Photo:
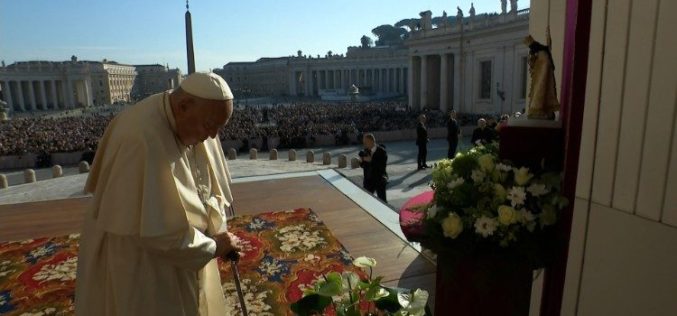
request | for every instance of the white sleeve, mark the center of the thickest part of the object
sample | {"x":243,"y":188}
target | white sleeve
{"x":192,"y":250}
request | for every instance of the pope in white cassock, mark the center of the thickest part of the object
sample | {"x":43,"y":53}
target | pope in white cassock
{"x":157,"y":220}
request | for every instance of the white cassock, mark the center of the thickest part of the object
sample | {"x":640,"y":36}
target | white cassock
{"x":144,"y":248}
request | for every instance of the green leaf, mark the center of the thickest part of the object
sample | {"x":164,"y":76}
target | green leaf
{"x":311,"y":304}
{"x":332,"y":286}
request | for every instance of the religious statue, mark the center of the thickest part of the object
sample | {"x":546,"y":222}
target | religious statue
{"x":504,"y":6}
{"x":513,"y":6}
{"x":459,"y":16}
{"x":445,"y":20}
{"x":472,"y":10}
{"x":543,"y":101}
{"x":426,"y":20}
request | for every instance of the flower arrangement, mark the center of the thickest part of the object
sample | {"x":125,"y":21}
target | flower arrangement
{"x":346,"y":294}
{"x":483,"y":204}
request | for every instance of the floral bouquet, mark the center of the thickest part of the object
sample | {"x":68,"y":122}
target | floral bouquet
{"x":483,"y":205}
{"x":346,"y":294}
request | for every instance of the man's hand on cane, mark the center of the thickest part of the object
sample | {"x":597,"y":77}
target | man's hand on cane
{"x":225,"y":244}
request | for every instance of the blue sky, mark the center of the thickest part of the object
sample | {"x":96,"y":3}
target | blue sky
{"x":152,"y":31}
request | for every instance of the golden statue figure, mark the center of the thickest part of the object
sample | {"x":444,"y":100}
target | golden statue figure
{"x":543,"y":101}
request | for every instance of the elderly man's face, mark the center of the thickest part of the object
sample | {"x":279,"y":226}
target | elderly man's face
{"x":482,"y":123}
{"x":367,"y":142}
{"x":198,"y":119}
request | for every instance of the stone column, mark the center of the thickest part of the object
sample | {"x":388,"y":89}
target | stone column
{"x":323,"y":79}
{"x":403,"y":81}
{"x":88,"y":92}
{"x":31,"y":95}
{"x":43,"y":95}
{"x":373,"y":79}
{"x":444,"y":89}
{"x":306,"y":81}
{"x":391,"y":80}
{"x":20,"y":90}
{"x":55,"y":99}
{"x":69,"y":94}
{"x":7,"y":91}
{"x":337,"y":79}
{"x":411,"y":82}
{"x":424,"y":82}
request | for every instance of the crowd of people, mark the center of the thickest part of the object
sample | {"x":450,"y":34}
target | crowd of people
{"x":293,"y":123}
{"x":51,"y":135}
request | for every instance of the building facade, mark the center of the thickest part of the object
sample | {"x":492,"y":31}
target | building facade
{"x":478,"y":66}
{"x":375,"y":70}
{"x":47,"y":85}
{"x":151,"y":79}
{"x":266,"y":76}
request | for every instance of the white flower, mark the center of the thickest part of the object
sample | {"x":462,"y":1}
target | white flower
{"x":477,"y":176}
{"x":452,"y":226}
{"x":537,"y":189}
{"x":254,"y":298}
{"x":507,"y":215}
{"x":296,"y":238}
{"x":522,"y":175}
{"x":517,"y":196}
{"x":364,"y":262}
{"x":311,"y":258}
{"x":486,"y":162}
{"x":413,"y":304}
{"x":455,"y":183}
{"x":62,"y":271}
{"x":527,"y":216}
{"x":432,"y":212}
{"x":503,"y":167}
{"x":486,"y":226}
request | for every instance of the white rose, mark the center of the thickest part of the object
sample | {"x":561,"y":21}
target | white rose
{"x":486,"y":162}
{"x":522,"y":175}
{"x":537,"y":189}
{"x":455,"y":183}
{"x":507,"y":215}
{"x":477,"y":176}
{"x":432,"y":212}
{"x":452,"y":226}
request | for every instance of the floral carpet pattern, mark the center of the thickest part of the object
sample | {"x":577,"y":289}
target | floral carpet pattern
{"x":283,"y":253}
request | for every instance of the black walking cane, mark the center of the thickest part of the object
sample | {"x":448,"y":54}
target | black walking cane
{"x":234,"y":257}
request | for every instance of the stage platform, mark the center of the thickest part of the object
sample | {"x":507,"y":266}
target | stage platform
{"x":364,"y":225}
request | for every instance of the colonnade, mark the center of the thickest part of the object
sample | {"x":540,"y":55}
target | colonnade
{"x":31,"y":95}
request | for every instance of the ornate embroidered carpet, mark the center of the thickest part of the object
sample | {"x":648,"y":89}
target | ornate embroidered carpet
{"x":284,"y":252}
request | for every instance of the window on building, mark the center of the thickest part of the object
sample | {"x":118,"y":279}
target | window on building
{"x":525,"y":74}
{"x":485,"y":80}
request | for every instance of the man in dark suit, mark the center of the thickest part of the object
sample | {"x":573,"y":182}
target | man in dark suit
{"x":482,"y":134}
{"x":453,"y":133}
{"x":422,"y":142}
{"x":373,"y":161}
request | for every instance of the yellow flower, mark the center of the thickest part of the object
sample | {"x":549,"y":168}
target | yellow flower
{"x":499,"y":190}
{"x":486,"y":162}
{"x":452,"y":226}
{"x":522,"y":176}
{"x":507,"y":215}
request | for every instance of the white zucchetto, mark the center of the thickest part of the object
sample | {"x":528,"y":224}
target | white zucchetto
{"x":207,"y":85}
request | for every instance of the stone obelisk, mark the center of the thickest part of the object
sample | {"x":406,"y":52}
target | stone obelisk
{"x":189,"y":42}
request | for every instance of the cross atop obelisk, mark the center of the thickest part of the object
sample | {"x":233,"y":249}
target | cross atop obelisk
{"x":189,"y":42}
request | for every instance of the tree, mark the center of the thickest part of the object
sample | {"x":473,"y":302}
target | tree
{"x":409,"y":23}
{"x":388,"y":35}
{"x":366,"y":41}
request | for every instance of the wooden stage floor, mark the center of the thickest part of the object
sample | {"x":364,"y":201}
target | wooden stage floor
{"x":363,"y":235}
